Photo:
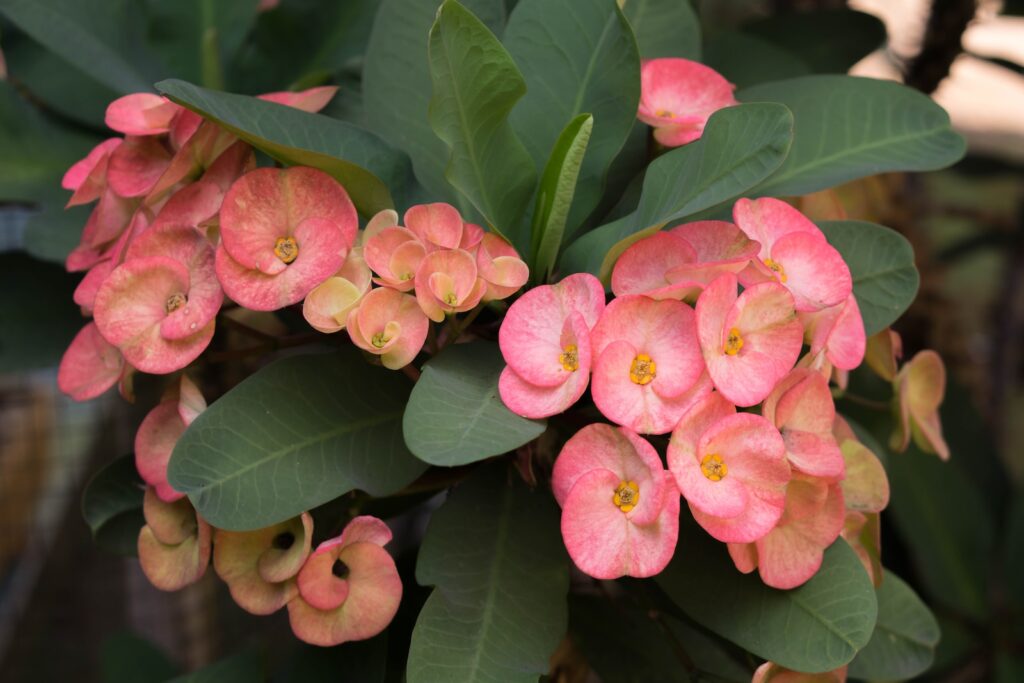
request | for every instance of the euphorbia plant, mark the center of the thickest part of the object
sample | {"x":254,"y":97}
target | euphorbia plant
{"x":510,"y":323}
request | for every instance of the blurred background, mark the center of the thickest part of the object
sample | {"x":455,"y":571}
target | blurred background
{"x":70,"y":610}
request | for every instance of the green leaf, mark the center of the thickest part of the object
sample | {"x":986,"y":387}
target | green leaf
{"x":577,"y":56}
{"x":244,"y":667}
{"x":881,"y":262}
{"x":356,"y":158}
{"x":112,"y":506}
{"x":1014,"y":553}
{"x":555,"y":196}
{"x":298,"y":433}
{"x":847,"y":128}
{"x":746,"y":60}
{"x":817,"y":627}
{"x":362,"y":661}
{"x":664,"y":28}
{"x":827,"y":40}
{"x":397,"y":85}
{"x":903,"y":644}
{"x":99,"y":33}
{"x":740,"y":147}
{"x":53,"y":232}
{"x":476,"y":84}
{"x":454,"y":415}
{"x":495,"y":555}
{"x":128,"y":658}
{"x":943,"y":519}
{"x":39,"y":316}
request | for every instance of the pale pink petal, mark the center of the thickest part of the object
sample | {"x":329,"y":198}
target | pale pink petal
{"x":815,"y":272}
{"x":644,"y":266}
{"x":90,"y":366}
{"x":154,"y":441}
{"x":87,"y":176}
{"x":438,"y":225}
{"x":677,"y":96}
{"x":136,"y":165}
{"x":141,"y":114}
{"x":534,"y":401}
{"x":311,"y":100}
{"x":765,"y":220}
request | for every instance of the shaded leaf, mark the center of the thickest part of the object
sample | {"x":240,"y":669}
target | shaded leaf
{"x":881,"y":261}
{"x":54,"y":231}
{"x":817,"y":627}
{"x":903,"y":644}
{"x":664,"y":28}
{"x":476,"y":84}
{"x":454,"y":415}
{"x":363,"y":661}
{"x":112,"y":506}
{"x":128,"y":658}
{"x":356,"y":158}
{"x":244,"y":667}
{"x":747,"y":60}
{"x":297,"y":433}
{"x":826,"y":40}
{"x":498,"y":611}
{"x":847,"y":128}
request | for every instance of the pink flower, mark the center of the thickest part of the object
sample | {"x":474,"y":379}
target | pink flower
{"x":394,"y":253}
{"x":920,"y":389}
{"x":770,"y":672}
{"x":837,"y":333}
{"x":326,"y":308}
{"x":436,"y":226}
{"x":389,"y":324}
{"x":749,"y":342}
{"x":141,"y":114}
{"x":160,"y":431}
{"x":136,"y":165}
{"x":792,"y":552}
{"x":678,"y":96}
{"x":260,"y":567}
{"x":90,"y":366}
{"x":499,"y":266}
{"x":679,"y":263}
{"x":646,"y":363}
{"x":545,"y":339}
{"x":174,"y":545}
{"x":349,"y":588}
{"x":283,"y":232}
{"x":87,"y":178}
{"x":883,"y":352}
{"x":794,"y":252}
{"x":731,"y":468}
{"x":447,"y":283}
{"x":311,"y":100}
{"x":620,"y":511}
{"x":801,"y":408}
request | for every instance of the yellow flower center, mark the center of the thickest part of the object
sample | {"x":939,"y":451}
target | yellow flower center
{"x":666,"y":113}
{"x":174,"y":302}
{"x":451,"y":299}
{"x":627,"y":495}
{"x":380,"y":339}
{"x":286,"y":249}
{"x":776,"y":268}
{"x":714,"y":467}
{"x":734,"y":342}
{"x":643,"y":370}
{"x":570,"y":358}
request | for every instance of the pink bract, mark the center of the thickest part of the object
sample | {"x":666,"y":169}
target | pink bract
{"x":749,"y":342}
{"x":793,"y":252}
{"x":394,"y":254}
{"x":770,"y":672}
{"x":801,"y":408}
{"x":349,"y":588}
{"x":158,"y":434}
{"x":678,"y":96}
{"x":545,"y":339}
{"x":389,"y":324}
{"x":327,"y":307}
{"x":283,"y":232}
{"x":447,"y":283}
{"x":141,"y":114}
{"x":646,"y":362}
{"x":88,"y":177}
{"x":921,"y":387}
{"x":437,"y":226}
{"x":731,"y":468}
{"x":136,"y":165}
{"x":90,"y":366}
{"x":499,"y":266}
{"x":311,"y":100}
{"x":174,"y":545}
{"x":838,"y":333}
{"x":620,"y":510}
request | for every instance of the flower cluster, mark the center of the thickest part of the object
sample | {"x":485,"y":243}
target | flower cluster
{"x":433,"y":266}
{"x":677,"y":96}
{"x":755,"y":449}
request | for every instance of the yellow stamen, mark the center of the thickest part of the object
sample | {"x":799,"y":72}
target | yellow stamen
{"x":643,"y":370}
{"x":734,"y":342}
{"x":286,"y":249}
{"x":379,"y":340}
{"x":174,"y":302}
{"x":664,"y":113}
{"x":776,"y":268}
{"x":626,"y":496}
{"x":570,"y":358}
{"x":714,"y":467}
{"x":451,"y":299}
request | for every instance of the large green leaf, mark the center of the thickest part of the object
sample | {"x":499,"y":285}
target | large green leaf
{"x":817,"y":627}
{"x":296,"y":434}
{"x":555,"y":195}
{"x":102,"y":34}
{"x":112,"y":506}
{"x":358,"y":159}
{"x":397,"y":84}
{"x":127,"y":658}
{"x":244,"y":667}
{"x":455,"y":416}
{"x":943,"y":518}
{"x":881,"y":262}
{"x":498,"y":611}
{"x":362,"y":661}
{"x":664,"y":28}
{"x":39,"y":316}
{"x":54,"y":231}
{"x":747,"y":60}
{"x":827,"y":40}
{"x":903,"y":644}
{"x":476,"y":84}
{"x":847,"y":128}
{"x":577,"y":56}
{"x":740,"y":147}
